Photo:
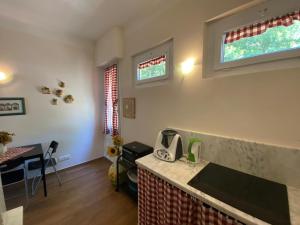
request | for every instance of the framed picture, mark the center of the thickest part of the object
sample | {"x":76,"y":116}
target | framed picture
{"x":129,"y":108}
{"x":12,"y":106}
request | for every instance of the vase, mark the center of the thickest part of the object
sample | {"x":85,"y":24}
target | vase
{"x":112,"y":173}
{"x":3,"y":148}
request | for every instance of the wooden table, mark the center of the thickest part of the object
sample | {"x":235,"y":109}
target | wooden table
{"x":36,"y":153}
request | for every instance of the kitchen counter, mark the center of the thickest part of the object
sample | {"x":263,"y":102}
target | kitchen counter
{"x":180,"y":173}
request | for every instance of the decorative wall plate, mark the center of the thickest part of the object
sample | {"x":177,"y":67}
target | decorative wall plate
{"x":54,"y":101}
{"x":45,"y":90}
{"x":68,"y":99}
{"x":61,"y":84}
{"x":59,"y":92}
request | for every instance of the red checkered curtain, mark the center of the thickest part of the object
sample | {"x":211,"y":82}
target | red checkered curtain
{"x":111,"y":95}
{"x":160,"y":203}
{"x":211,"y":216}
{"x":152,"y":62}
{"x":259,"y":28}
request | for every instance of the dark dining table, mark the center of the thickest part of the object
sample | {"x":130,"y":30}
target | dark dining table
{"x":35,"y":153}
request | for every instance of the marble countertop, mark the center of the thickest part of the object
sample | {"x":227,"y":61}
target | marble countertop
{"x":180,"y":173}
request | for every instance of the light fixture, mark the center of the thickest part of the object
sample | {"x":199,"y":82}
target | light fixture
{"x":5,"y":78}
{"x":187,"y":66}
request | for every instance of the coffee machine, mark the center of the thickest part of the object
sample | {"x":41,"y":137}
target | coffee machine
{"x":168,"y":146}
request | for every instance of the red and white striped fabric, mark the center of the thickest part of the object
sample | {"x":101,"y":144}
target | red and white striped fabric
{"x":259,"y":28}
{"x":152,"y":62}
{"x":161,"y":203}
{"x":111,"y":94}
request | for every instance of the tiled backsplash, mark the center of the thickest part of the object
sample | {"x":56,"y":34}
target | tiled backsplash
{"x":280,"y":164}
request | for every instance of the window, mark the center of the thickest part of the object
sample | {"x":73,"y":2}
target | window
{"x":260,"y":37}
{"x":154,"y":64}
{"x":111,"y":101}
{"x":276,"y":35}
{"x":155,"y":67}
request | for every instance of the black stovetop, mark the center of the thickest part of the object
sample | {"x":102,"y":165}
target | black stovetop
{"x":263,"y":199}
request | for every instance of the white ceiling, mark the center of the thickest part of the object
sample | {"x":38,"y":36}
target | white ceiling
{"x":83,"y":18}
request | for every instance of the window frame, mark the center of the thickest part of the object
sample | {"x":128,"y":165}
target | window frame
{"x":213,"y":34}
{"x":219,"y":53}
{"x":165,"y":48}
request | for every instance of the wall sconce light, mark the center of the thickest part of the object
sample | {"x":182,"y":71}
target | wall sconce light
{"x":5,"y":78}
{"x":187,"y":66}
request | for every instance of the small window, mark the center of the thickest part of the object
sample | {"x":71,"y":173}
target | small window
{"x":273,"y":39}
{"x":261,"y":37}
{"x":276,"y":39}
{"x":155,"y":67}
{"x":154,"y":64}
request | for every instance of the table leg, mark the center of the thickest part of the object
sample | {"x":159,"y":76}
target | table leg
{"x":43,"y":175}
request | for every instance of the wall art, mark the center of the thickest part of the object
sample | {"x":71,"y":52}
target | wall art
{"x":12,"y":106}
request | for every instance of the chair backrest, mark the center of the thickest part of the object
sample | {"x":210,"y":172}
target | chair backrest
{"x":11,"y":164}
{"x":53,"y":146}
{"x":52,"y":149}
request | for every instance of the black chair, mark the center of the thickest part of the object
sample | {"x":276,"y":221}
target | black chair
{"x":49,"y":161}
{"x":13,"y":172}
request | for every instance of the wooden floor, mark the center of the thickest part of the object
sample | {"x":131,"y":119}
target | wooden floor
{"x":85,"y":198}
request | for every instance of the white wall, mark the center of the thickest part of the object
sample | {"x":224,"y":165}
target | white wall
{"x":109,"y":47}
{"x":43,"y":59}
{"x":262,"y":107}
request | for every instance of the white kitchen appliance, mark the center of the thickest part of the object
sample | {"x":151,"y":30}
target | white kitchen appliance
{"x":168,"y":146}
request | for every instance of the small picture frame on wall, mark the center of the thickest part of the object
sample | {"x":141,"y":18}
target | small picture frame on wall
{"x":12,"y":106}
{"x":129,"y":108}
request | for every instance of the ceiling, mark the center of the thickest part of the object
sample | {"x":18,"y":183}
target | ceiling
{"x":83,"y":18}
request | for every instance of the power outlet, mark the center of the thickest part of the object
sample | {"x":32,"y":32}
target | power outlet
{"x":64,"y":157}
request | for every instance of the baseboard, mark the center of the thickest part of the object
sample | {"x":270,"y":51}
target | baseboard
{"x":108,"y":158}
{"x":78,"y":164}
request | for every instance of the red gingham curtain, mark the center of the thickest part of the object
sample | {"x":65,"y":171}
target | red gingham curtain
{"x":161,"y":203}
{"x":259,"y":28}
{"x":111,"y":95}
{"x":152,"y":62}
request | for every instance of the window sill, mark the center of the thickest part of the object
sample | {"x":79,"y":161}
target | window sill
{"x":284,"y":64}
{"x":160,"y":82}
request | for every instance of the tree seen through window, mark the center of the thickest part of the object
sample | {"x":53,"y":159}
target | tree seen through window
{"x":276,"y":39}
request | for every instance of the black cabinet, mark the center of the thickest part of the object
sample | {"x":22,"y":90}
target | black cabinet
{"x":131,"y":152}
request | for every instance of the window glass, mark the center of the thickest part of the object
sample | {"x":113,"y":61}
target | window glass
{"x":155,"y":67}
{"x":276,"y":39}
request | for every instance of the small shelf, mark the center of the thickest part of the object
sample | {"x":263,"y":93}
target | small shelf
{"x":127,"y":165}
